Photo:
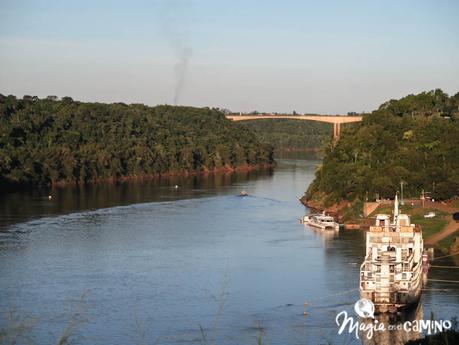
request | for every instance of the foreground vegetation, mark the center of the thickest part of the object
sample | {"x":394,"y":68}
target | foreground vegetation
{"x":47,"y":141}
{"x":414,"y":140}
{"x":444,"y":338}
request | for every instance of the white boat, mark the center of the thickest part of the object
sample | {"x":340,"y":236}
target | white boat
{"x":392,"y":273}
{"x":321,"y":221}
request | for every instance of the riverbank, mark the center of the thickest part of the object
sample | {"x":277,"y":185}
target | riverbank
{"x":440,"y":231}
{"x":183,"y":173}
{"x":344,"y":211}
{"x":145,"y":177}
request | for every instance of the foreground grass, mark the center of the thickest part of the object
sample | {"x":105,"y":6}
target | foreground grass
{"x":18,"y":329}
{"x":444,"y":338}
{"x":430,"y":226}
{"x":449,"y":241}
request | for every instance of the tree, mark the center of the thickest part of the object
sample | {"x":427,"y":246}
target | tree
{"x":45,"y":142}
{"x":406,"y":139}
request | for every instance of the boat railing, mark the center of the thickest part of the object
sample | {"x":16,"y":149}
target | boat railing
{"x":393,"y":239}
{"x":415,"y":272}
{"x":406,"y":228}
{"x":365,"y":266}
{"x":391,"y":259}
{"x":395,"y":228}
{"x":407,"y":263}
{"x":376,"y":229}
{"x":407,"y":272}
{"x":413,"y":281}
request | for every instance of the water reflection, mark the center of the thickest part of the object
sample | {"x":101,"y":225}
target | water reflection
{"x":399,"y":328}
{"x":326,"y":236}
{"x":27,"y":204}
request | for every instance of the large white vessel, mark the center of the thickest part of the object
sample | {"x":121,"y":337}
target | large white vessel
{"x":320,"y":221}
{"x":392,"y":274}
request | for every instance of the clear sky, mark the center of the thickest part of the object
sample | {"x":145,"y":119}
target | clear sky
{"x":308,"y":56}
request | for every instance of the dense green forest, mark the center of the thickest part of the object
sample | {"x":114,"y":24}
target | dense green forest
{"x":414,"y":140}
{"x":48,"y":141}
{"x":285,"y":134}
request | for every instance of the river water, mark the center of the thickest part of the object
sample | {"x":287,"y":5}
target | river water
{"x":148,"y":263}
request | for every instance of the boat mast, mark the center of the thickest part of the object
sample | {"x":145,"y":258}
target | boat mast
{"x":396,"y":211}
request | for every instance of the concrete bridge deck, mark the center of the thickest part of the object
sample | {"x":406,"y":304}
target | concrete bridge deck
{"x":336,"y":120}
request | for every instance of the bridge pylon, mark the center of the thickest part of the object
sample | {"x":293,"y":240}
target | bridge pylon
{"x":336,"y":130}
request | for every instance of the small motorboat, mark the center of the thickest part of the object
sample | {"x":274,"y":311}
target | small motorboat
{"x":243,"y":193}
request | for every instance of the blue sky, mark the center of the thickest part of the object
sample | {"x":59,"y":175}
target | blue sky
{"x":308,"y":56}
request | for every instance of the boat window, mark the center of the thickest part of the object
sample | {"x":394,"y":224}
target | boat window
{"x":404,"y":253}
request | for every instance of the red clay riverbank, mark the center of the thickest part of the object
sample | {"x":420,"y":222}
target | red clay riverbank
{"x":335,"y":209}
{"x":184,"y":173}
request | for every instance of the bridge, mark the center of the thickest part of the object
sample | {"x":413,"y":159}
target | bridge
{"x":336,"y":120}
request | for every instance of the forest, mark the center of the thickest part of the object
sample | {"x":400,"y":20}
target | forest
{"x":413,"y":140}
{"x":49,"y":141}
{"x":290,"y":135}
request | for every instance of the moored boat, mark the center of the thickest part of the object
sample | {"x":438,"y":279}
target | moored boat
{"x":320,"y":221}
{"x":391,"y":276}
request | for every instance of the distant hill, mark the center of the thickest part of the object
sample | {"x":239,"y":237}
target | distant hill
{"x":48,"y":141}
{"x":414,"y":140}
{"x":286,"y":135}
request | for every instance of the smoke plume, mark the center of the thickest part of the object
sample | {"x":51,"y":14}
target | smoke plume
{"x":181,"y":68}
{"x":175,"y":26}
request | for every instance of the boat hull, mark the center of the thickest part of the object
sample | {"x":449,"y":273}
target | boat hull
{"x":411,"y":301}
{"x":397,"y":300}
{"x":323,"y":227}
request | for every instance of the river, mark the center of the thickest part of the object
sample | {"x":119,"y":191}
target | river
{"x":148,"y":263}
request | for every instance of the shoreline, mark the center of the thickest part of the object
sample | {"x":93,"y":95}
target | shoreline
{"x":334,"y":209}
{"x":434,"y":240}
{"x":9,"y":187}
{"x":167,"y":174}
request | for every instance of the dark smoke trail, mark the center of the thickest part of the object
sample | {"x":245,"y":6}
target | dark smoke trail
{"x":174,"y":23}
{"x":180,"y":72}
